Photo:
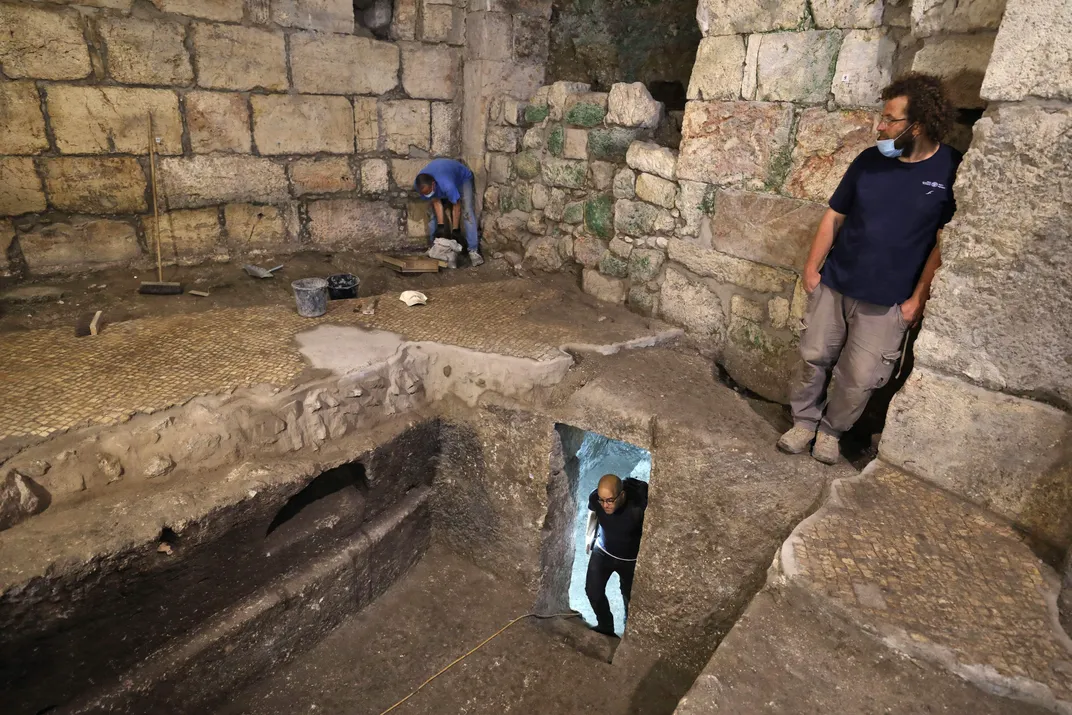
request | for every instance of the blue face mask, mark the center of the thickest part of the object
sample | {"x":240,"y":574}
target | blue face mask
{"x":888,"y":146}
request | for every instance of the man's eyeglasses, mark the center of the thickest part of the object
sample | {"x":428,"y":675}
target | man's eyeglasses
{"x":608,"y":502}
{"x":883,"y":119}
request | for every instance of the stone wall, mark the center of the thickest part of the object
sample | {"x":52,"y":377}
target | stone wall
{"x":986,"y":412}
{"x":279,"y":126}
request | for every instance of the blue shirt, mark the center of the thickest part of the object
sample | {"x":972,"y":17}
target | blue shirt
{"x":450,"y":176}
{"x":893,"y":210}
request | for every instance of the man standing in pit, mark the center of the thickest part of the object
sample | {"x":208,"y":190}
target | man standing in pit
{"x":451,"y":180}
{"x":615,"y":521}
{"x":881,"y":232}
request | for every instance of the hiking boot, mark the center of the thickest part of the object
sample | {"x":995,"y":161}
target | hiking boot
{"x":796,"y":440}
{"x":826,"y":448}
{"x":476,"y":259}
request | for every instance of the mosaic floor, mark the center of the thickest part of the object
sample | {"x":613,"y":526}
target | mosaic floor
{"x":908,"y":555}
{"x":51,"y":380}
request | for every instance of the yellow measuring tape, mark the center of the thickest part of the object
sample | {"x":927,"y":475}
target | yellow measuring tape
{"x":571,"y":614}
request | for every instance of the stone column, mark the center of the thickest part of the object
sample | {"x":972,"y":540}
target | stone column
{"x":986,"y":412}
{"x":506,"y":54}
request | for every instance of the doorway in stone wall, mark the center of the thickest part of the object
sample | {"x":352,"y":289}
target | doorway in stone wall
{"x":586,"y":457}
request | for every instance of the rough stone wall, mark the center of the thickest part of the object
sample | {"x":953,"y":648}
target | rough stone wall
{"x":278,"y":126}
{"x":986,"y":412}
{"x":606,"y":41}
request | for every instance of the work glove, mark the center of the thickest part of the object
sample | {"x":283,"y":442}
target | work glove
{"x":441,"y":232}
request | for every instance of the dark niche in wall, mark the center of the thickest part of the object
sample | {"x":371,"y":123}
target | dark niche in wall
{"x":606,"y":41}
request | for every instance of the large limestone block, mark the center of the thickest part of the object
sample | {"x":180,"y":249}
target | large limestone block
{"x":251,"y":227}
{"x":82,"y":243}
{"x":847,"y":13}
{"x":186,"y":237}
{"x":188,"y":182}
{"x":961,"y":62}
{"x":366,"y":124}
{"x":375,"y":176}
{"x":727,"y":269}
{"x":864,"y":68}
{"x":22,"y":125}
{"x":693,"y":305}
{"x":42,"y":44}
{"x":431,"y":71}
{"x":652,"y":159}
{"x":631,"y":105}
{"x":719,"y":68}
{"x":605,"y":288}
{"x":765,"y":228}
{"x":1032,"y":53}
{"x":218,"y":121}
{"x":406,"y":123}
{"x":561,"y":96}
{"x":103,"y":120}
{"x":656,"y":190}
{"x":404,"y":172}
{"x":146,"y":51}
{"x":326,"y":15}
{"x":356,"y":225}
{"x":797,"y":66}
{"x":96,"y":185}
{"x":297,"y":124}
{"x":761,"y":360}
{"x":1005,"y":453}
{"x":325,"y":175}
{"x":223,"y":10}
{"x":732,"y":142}
{"x":1001,"y":308}
{"x":938,"y":17}
{"x":634,"y":218}
{"x":234,"y":57}
{"x":489,"y":36}
{"x":565,"y":173}
{"x":343,"y":64}
{"x":735,"y":17}
{"x":20,"y":187}
{"x":827,"y":142}
{"x":444,"y":129}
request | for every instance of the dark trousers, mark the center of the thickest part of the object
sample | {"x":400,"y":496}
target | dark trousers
{"x":600,"y":567}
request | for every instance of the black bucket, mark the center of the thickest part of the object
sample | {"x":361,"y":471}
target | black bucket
{"x":342,"y":286}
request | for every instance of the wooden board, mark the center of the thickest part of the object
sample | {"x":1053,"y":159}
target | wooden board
{"x":411,"y":264}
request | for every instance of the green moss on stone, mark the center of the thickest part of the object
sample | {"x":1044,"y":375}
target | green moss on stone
{"x":527,"y":165}
{"x":565,"y":173}
{"x":707,"y":204}
{"x":536,"y":113}
{"x":599,"y":216}
{"x":557,"y":140}
{"x":585,"y":114}
{"x":610,"y":144}
{"x":506,"y":200}
{"x":523,"y":198}
{"x":573,"y":213}
{"x":612,"y":265}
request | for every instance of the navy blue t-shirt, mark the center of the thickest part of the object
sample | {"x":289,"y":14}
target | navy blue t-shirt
{"x":893,"y":210}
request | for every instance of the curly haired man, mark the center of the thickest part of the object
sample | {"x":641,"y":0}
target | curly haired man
{"x":879,"y":240}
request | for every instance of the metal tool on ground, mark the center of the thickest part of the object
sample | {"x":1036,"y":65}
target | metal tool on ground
{"x":258,"y":272}
{"x":159,"y":286}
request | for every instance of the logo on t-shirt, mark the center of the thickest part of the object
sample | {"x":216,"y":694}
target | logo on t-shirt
{"x":934,"y":184}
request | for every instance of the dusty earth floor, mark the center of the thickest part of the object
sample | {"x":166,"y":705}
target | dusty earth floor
{"x":440,"y":610}
{"x":115,"y":291}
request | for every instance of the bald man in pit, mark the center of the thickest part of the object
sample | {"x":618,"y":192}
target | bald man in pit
{"x":615,"y":521}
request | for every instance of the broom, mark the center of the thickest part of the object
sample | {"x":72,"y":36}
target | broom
{"x":159,"y":286}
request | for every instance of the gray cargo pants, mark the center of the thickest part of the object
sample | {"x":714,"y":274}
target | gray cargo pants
{"x":861,"y":341}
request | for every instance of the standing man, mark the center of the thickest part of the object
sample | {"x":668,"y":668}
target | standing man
{"x":451,"y":180}
{"x":615,"y":521}
{"x":879,"y":239}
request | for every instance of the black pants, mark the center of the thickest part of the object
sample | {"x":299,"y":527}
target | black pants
{"x":600,"y":567}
